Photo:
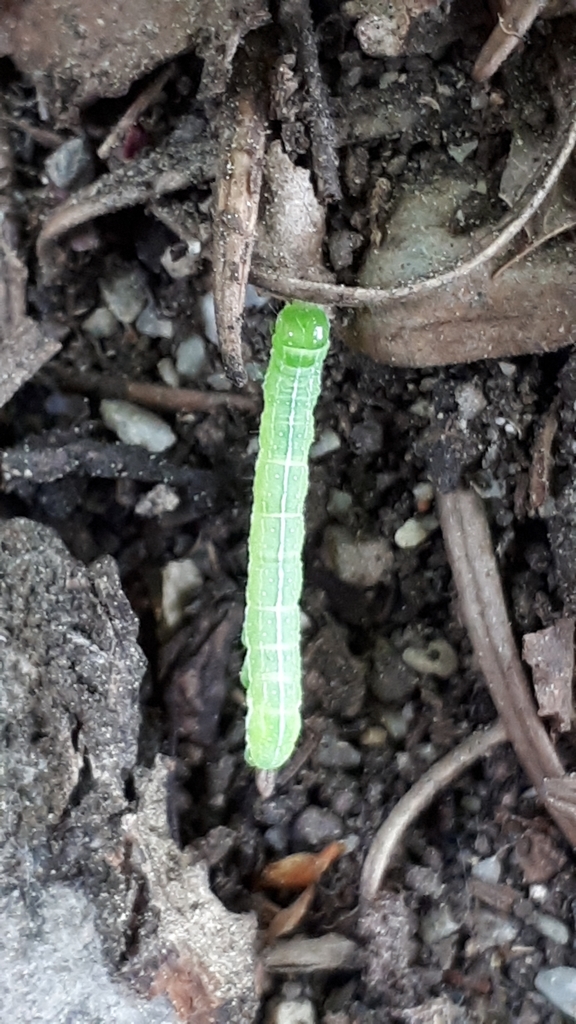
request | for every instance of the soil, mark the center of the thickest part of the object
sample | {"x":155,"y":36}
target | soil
{"x":458,"y":934}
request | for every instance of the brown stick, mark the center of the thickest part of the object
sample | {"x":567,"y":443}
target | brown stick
{"x":483,"y":608}
{"x":154,"y":396}
{"x":297,"y":21}
{"x":505,"y":37}
{"x":235,"y":218}
{"x":391,"y":833}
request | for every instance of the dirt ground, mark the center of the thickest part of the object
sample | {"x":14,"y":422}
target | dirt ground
{"x":467,"y":388}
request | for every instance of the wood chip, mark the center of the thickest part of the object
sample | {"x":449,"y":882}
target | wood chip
{"x":550,"y":654}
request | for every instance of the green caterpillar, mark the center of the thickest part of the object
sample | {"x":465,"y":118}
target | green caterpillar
{"x":272,"y":668}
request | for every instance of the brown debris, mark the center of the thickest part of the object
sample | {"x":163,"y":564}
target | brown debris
{"x":420,"y":330}
{"x":79,"y":50}
{"x":299,"y":870}
{"x":539,"y":857}
{"x":181,"y":159}
{"x":542,"y":462}
{"x":513,"y":23}
{"x":550,"y":654}
{"x":23,"y":346}
{"x":137,"y":108}
{"x":235,"y":218}
{"x":197,"y":686}
{"x":53,"y":456}
{"x":483,"y":609}
{"x":154,"y":396}
{"x":290,"y":918}
{"x":296,"y":18}
{"x":292,"y":224}
{"x":494,"y":894}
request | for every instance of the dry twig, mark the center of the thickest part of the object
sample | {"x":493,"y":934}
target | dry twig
{"x":297,"y":21}
{"x":506,"y":35}
{"x":235,"y":218}
{"x":390,"y":834}
{"x":130,"y":116}
{"x":483,"y":608}
{"x":154,"y":396}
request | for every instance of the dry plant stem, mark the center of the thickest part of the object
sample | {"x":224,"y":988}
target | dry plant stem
{"x":389,"y":836}
{"x":154,"y":396}
{"x":297,"y":21}
{"x":235,"y":218}
{"x":344,"y":295}
{"x":134,"y":111}
{"x":483,"y":609}
{"x":504,"y":39}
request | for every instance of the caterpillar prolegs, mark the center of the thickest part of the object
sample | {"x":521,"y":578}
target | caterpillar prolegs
{"x":272,"y":667}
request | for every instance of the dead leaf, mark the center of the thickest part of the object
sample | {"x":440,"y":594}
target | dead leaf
{"x":289,"y":918}
{"x":525,"y":308}
{"x":550,"y":654}
{"x":300,"y":870}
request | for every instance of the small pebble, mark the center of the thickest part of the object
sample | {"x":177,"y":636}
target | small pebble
{"x":470,"y":400}
{"x":153,"y":325}
{"x":437,"y":659}
{"x":423,"y":495}
{"x":362,"y":563}
{"x":538,"y":892}
{"x":157,"y":501}
{"x":463,"y":151}
{"x":191,"y":356}
{"x":181,"y":579}
{"x":180,"y":263}
{"x":551,"y":928}
{"x":487,"y":870}
{"x":297,"y":1011}
{"x":339,"y":503}
{"x":508,"y":369}
{"x":135,"y":425}
{"x":219,"y":382}
{"x":327,"y":443}
{"x":396,"y":724}
{"x":414,"y":532}
{"x":254,"y":299}
{"x":374,"y":736}
{"x":391,"y":680}
{"x":489,"y":930}
{"x":167,"y":372}
{"x":71,"y":165}
{"x":101,"y":323}
{"x":558,"y":985}
{"x":124,"y":294}
{"x":254,"y":371}
{"x":315,"y":827}
{"x":438,"y":924}
{"x":335,"y":753}
{"x":209,"y":317}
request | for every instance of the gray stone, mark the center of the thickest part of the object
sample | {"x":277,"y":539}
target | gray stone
{"x":558,"y":985}
{"x":316,"y":826}
{"x":124,"y":293}
{"x":71,"y":165}
{"x":135,"y":425}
